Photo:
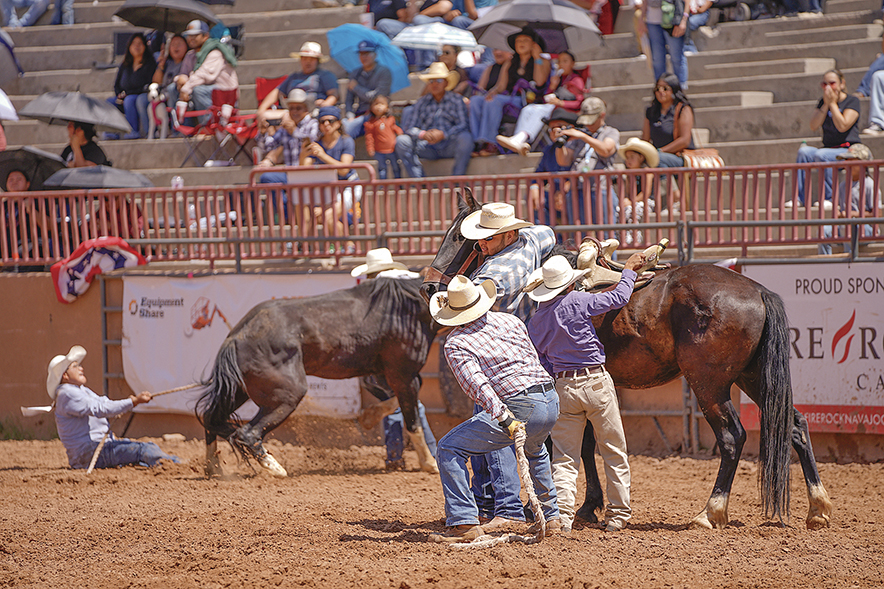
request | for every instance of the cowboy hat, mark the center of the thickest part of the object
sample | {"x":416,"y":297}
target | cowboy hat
{"x":652,"y":156}
{"x":439,"y":71}
{"x":553,"y":277}
{"x":463,"y":301}
{"x":309,"y":49}
{"x":296,"y":96}
{"x":377,"y":260}
{"x":494,"y":218}
{"x":59,"y":365}
{"x":528,"y":32}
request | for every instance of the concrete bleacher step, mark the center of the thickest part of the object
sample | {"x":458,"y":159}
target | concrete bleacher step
{"x":730,"y":99}
{"x":810,"y":65}
{"x":36,"y":59}
{"x":774,"y":121}
{"x":838,"y":6}
{"x":832,"y":34}
{"x":847,"y":54}
{"x":626,"y":71}
{"x":779,"y":151}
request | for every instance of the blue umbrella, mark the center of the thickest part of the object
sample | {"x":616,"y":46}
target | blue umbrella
{"x":342,"y":43}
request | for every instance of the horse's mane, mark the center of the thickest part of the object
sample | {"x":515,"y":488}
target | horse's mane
{"x":399,"y":291}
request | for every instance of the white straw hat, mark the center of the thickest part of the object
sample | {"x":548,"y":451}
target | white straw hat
{"x":309,"y":49}
{"x":377,"y":260}
{"x":59,"y":365}
{"x":553,"y":277}
{"x":463,"y":301}
{"x":439,"y":71}
{"x":494,"y":218}
{"x":650,"y":153}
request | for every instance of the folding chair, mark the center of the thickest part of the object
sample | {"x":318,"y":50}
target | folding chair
{"x":194,"y":135}
{"x":246,"y":127}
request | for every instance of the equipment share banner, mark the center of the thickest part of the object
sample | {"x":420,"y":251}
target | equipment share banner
{"x":836,"y":328}
{"x":174,"y":327}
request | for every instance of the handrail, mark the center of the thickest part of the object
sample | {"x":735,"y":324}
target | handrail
{"x":258,"y":171}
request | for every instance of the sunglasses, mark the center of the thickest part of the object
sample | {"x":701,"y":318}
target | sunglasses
{"x":824,"y":84}
{"x":490,"y":238}
{"x":327,"y":121}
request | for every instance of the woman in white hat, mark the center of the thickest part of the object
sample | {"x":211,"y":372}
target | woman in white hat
{"x":320,"y":85}
{"x":81,"y":418}
{"x":562,"y":332}
{"x":495,"y":363}
{"x":379,"y":263}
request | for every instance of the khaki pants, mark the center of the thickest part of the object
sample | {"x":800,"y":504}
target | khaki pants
{"x":592,"y":398}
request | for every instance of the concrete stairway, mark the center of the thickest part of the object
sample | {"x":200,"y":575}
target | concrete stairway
{"x":752,"y":83}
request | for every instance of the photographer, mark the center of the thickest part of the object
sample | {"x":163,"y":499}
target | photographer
{"x":597,"y":147}
{"x":554,"y":205}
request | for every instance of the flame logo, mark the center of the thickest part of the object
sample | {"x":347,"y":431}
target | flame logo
{"x":839,"y":335}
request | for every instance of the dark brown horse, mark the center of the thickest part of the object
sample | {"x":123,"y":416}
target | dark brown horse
{"x":380,"y":327}
{"x":716,"y":328}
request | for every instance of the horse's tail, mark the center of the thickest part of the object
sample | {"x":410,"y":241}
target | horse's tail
{"x":777,"y":412}
{"x":218,"y":403}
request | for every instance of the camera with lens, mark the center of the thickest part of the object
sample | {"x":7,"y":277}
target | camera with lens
{"x":562,"y":140}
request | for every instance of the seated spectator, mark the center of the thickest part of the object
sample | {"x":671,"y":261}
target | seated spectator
{"x":597,"y":151}
{"x":862,"y":193}
{"x":876,"y":104}
{"x":526,"y":65}
{"x":297,"y":128}
{"x":452,"y":12}
{"x":320,"y":85}
{"x":381,"y":131}
{"x":64,"y":13}
{"x":366,"y":82}
{"x":332,"y":147}
{"x":698,"y":16}
{"x":669,"y":121}
{"x":82,"y":151}
{"x":214,"y":68}
{"x":638,"y":154}
{"x":865,"y":86}
{"x":491,"y":72}
{"x":439,"y":126}
{"x":170,"y":63}
{"x":174,"y":82}
{"x":448,"y":56}
{"x":554,"y":206}
{"x":130,"y":86}
{"x":837,"y":114}
{"x":36,"y":8}
{"x":566,"y":91}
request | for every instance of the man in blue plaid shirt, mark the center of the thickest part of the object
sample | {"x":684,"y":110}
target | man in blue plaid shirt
{"x":437,"y":126}
{"x":496,"y":364}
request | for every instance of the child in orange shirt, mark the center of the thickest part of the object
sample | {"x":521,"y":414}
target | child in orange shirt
{"x":380,"y":136}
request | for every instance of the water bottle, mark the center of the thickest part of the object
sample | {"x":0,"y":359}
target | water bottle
{"x":177,"y":183}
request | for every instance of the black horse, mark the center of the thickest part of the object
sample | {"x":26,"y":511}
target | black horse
{"x":716,"y":328}
{"x":380,"y":327}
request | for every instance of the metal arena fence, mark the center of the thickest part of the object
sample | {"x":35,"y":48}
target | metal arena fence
{"x":315,"y":215}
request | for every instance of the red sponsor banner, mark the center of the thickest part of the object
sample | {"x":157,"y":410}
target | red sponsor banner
{"x":835,"y":419}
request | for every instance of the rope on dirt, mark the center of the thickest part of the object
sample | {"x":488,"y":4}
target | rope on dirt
{"x":486,"y":541}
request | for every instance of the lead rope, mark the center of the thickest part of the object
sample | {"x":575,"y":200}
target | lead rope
{"x":486,"y":541}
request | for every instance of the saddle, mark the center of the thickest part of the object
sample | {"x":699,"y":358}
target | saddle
{"x":604,"y":272}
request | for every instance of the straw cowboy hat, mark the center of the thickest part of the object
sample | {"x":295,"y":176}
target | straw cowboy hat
{"x":463,"y":301}
{"x":377,"y":260}
{"x":296,"y":96}
{"x":494,"y":218}
{"x":652,"y":156}
{"x":59,"y":365}
{"x":310,"y":49}
{"x":439,"y":71}
{"x":553,"y":277}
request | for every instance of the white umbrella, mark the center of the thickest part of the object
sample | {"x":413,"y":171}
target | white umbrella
{"x":7,"y":111}
{"x":433,"y":36}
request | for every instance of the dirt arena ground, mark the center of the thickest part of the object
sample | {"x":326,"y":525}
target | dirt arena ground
{"x":340,"y":521}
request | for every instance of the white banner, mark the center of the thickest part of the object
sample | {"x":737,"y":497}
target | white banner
{"x":174,"y":327}
{"x":836,"y":318}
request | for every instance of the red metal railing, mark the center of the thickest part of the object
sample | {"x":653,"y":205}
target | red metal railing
{"x":739,"y":207}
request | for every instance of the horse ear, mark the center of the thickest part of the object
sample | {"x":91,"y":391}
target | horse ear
{"x":465,"y":200}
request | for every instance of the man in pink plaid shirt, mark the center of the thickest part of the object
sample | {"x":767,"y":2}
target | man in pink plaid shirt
{"x":496,"y":364}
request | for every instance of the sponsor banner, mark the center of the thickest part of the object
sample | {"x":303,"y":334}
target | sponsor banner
{"x":836,"y":320}
{"x":173,"y":328}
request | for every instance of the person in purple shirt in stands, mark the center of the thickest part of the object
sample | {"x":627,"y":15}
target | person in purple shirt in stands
{"x":562,"y":332}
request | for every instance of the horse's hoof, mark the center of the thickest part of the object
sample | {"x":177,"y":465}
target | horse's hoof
{"x":818,"y":522}
{"x":588,"y":513}
{"x":701,"y":522}
{"x":272,"y":466}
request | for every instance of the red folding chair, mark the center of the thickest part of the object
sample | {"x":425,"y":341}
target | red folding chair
{"x":213,"y":130}
{"x":245,"y":127}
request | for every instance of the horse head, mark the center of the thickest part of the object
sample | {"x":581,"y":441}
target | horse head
{"x":457,"y":254}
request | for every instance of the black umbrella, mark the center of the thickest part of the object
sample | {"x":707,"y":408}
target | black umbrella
{"x":222,"y":2}
{"x":97,"y":177}
{"x":57,"y":108}
{"x":10,"y":68}
{"x":36,"y":164}
{"x":562,"y":24}
{"x":165,"y":15}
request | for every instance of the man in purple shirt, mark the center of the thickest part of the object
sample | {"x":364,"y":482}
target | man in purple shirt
{"x":566,"y":342}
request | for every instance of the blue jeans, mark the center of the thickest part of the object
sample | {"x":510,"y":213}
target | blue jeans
{"x":355,"y":127}
{"x":661,"y":43}
{"x":64,"y":12}
{"x":410,"y":150}
{"x":485,"y":116}
{"x":695,"y":21}
{"x":123,"y":452}
{"x":807,"y":154}
{"x":876,"y":93}
{"x":135,"y":110}
{"x":670,"y":160}
{"x":496,"y":482}
{"x":202,"y":100}
{"x":387,"y":158}
{"x":394,"y":425}
{"x":276,"y":178}
{"x":865,"y":85}
{"x":482,"y":434}
{"x":36,"y":8}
